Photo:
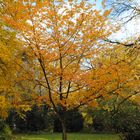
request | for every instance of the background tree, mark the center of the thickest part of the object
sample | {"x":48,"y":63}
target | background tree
{"x":127,"y":12}
{"x":9,"y":46}
{"x":37,"y":119}
{"x":9,"y":93}
{"x":11,"y":65}
{"x":125,"y":122}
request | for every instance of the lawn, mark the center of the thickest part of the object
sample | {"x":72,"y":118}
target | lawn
{"x":70,"y":137}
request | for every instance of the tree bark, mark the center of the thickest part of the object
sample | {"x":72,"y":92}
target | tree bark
{"x":64,"y":132}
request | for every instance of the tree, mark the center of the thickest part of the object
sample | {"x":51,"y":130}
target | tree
{"x":4,"y":73}
{"x":37,"y":119}
{"x":62,"y":41}
{"x":126,"y":121}
{"x":10,"y":57}
{"x":126,"y":10}
{"x":59,"y":36}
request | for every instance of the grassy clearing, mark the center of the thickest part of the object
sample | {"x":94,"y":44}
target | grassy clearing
{"x":70,"y":137}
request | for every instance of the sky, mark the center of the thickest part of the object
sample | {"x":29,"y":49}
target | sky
{"x":129,"y":30}
{"x":98,"y":2}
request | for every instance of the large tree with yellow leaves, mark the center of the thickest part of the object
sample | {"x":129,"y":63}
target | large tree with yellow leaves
{"x":11,"y":89}
{"x":62,"y":41}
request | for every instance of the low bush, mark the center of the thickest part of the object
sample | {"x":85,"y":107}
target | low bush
{"x":5,"y":132}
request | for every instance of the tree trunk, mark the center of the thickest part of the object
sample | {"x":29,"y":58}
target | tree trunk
{"x":64,"y":132}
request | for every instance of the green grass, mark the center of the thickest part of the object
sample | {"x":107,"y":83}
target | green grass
{"x":71,"y":136}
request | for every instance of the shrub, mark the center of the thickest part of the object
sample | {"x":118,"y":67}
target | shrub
{"x":130,"y":135}
{"x":5,"y":131}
